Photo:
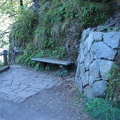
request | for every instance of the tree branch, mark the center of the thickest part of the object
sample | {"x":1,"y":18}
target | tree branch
{"x":2,"y":34}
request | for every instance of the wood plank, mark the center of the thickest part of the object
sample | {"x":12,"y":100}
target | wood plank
{"x":52,"y":61}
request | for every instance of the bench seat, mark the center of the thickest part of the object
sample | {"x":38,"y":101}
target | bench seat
{"x":52,"y":61}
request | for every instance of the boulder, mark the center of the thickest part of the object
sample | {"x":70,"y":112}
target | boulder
{"x":99,"y":88}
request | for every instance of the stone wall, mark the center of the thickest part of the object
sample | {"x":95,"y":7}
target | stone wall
{"x":96,"y":57}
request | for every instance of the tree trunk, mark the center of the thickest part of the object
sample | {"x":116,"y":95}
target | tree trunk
{"x":21,"y":2}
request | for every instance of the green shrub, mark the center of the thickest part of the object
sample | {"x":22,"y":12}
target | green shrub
{"x":25,"y":59}
{"x":22,"y":30}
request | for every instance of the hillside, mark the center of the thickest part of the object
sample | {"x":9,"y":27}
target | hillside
{"x":53,"y":29}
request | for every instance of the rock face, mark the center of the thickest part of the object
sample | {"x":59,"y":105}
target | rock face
{"x":96,"y":57}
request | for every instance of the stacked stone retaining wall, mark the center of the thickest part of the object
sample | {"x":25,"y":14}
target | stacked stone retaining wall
{"x":96,"y":57}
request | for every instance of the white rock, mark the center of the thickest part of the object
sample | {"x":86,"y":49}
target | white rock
{"x":105,"y":67}
{"x":112,"y":39}
{"x":99,"y":88}
{"x":88,"y":92}
{"x":102,"y":51}
{"x":98,"y":36}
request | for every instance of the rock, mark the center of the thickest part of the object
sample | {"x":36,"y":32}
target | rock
{"x":85,"y":51}
{"x":85,"y":79}
{"x":98,"y":36}
{"x":105,"y":67}
{"x":85,"y":33}
{"x":88,"y":92}
{"x":72,"y":39}
{"x":89,"y":41}
{"x":92,"y":81}
{"x":88,"y":60}
{"x":102,"y":51}
{"x":96,"y":57}
{"x":81,"y":56}
{"x":112,"y":39}
{"x":99,"y":88}
{"x":82,"y":70}
{"x":77,"y":72}
{"x":94,"y":71}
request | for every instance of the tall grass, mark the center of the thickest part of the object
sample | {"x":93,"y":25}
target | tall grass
{"x":102,"y":109}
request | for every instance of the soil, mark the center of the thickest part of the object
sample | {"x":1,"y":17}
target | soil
{"x":112,"y":24}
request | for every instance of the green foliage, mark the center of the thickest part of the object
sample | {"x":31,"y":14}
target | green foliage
{"x":49,"y":31}
{"x":58,"y":21}
{"x":11,"y":7}
{"x":25,"y":59}
{"x":101,"y":109}
{"x":1,"y":64}
{"x":62,"y":73}
{"x":118,"y":2}
{"x":113,"y":89}
{"x":92,"y":16}
{"x":109,"y":29}
{"x":22,"y":29}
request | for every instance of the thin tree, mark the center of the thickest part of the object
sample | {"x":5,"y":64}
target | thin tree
{"x":21,"y":3}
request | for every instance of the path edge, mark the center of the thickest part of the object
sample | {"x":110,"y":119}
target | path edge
{"x":5,"y":68}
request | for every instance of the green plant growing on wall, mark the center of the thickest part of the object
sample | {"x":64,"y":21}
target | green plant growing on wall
{"x":108,"y":29}
{"x":113,"y":89}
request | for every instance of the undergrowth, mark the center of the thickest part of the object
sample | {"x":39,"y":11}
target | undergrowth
{"x":113,"y":89}
{"x":54,"y":30}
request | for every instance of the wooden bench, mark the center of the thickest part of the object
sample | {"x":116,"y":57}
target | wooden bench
{"x":61,"y":63}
